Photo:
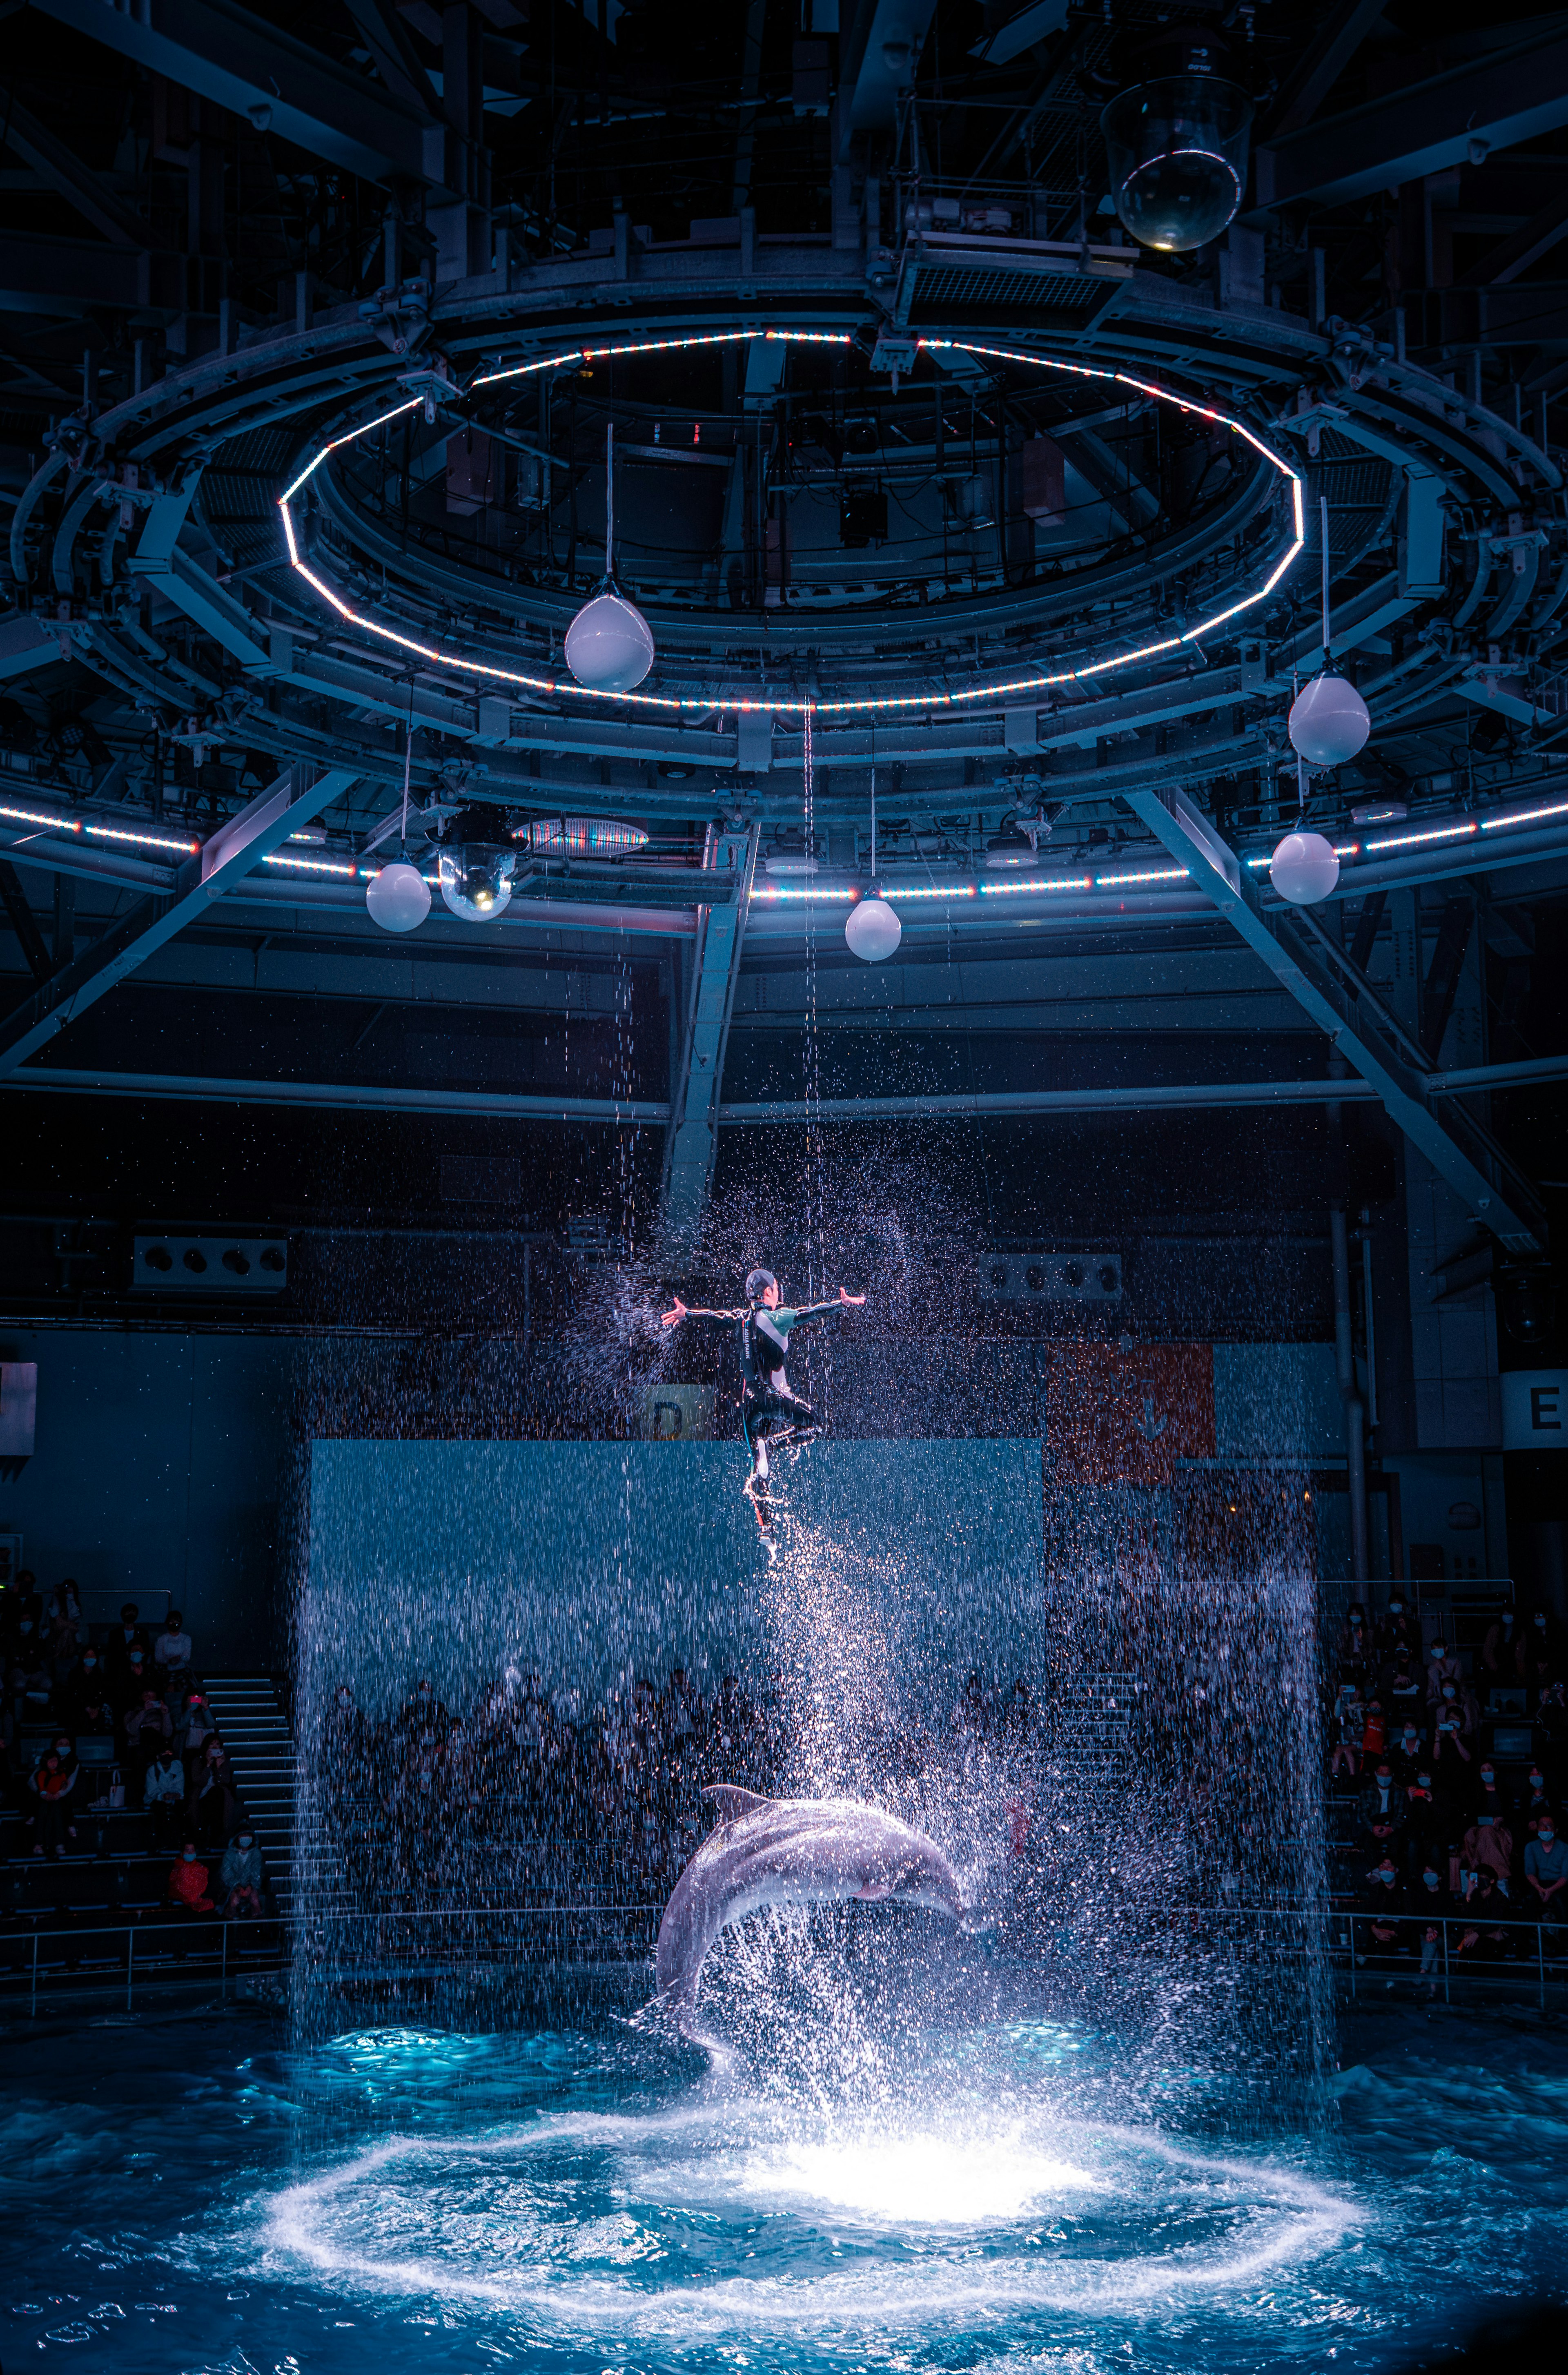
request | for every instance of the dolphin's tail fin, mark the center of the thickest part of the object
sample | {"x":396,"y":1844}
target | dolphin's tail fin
{"x":733,"y":1802}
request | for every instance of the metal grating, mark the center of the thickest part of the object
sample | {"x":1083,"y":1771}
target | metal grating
{"x":951,"y":292}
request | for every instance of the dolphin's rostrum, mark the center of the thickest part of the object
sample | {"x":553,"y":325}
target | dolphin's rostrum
{"x":791,"y":1851}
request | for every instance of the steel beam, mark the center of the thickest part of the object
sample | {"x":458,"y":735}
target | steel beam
{"x":1514,"y":96}
{"x":1492,"y":1186}
{"x":70,"y":276}
{"x":61,"y":170}
{"x":343,"y":1096}
{"x":1327,"y":54}
{"x":335,"y":1096}
{"x":246,"y":65}
{"x":243,"y":843}
{"x":690,"y":1144}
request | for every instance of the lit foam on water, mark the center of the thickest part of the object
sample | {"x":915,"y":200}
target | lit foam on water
{"x":709,"y":2220}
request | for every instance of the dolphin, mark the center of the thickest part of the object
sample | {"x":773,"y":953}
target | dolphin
{"x":791,"y":1851}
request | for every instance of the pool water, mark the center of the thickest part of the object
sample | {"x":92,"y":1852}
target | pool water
{"x":185,"y":2195}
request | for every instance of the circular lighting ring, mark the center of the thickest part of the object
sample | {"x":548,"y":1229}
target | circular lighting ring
{"x":938,"y":697}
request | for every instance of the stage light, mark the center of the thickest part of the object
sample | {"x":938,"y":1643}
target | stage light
{"x":873,"y":930}
{"x":398,"y":897}
{"x":1329,"y":721}
{"x":1011,"y":848}
{"x":1304,"y":869}
{"x":475,"y":879}
{"x":1177,"y":144}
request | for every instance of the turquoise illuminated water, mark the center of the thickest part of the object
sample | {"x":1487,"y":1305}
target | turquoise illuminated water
{"x":185,"y":2196}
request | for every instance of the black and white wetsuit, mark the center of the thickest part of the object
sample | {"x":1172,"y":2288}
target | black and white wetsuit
{"x":766,"y":1401}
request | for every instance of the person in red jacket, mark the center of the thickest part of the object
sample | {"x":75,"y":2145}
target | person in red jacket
{"x":187,"y":1881}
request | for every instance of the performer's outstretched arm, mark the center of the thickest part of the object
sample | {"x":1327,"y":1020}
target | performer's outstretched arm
{"x":672,"y":1318}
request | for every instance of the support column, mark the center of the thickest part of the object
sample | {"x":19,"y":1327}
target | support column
{"x":693,"y":1137}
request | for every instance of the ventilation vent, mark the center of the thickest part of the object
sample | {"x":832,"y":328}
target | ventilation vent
{"x":165,"y":1265}
{"x":1051,"y":1278}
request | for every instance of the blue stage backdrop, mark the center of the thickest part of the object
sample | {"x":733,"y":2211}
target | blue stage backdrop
{"x":594,"y":1562}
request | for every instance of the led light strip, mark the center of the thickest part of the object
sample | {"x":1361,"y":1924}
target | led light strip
{"x":685,"y":704}
{"x":321,"y":865}
{"x":1525,"y":816}
{"x":70,"y":827}
{"x":1421,"y":839}
{"x":898,"y":894}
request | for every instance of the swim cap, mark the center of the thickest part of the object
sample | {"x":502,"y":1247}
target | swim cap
{"x":759,"y":1283}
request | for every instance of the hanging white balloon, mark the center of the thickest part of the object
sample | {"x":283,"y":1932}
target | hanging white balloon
{"x":1329,"y":721}
{"x":398,"y":896}
{"x":610,"y":645}
{"x":1304,"y":868}
{"x":873,"y":930}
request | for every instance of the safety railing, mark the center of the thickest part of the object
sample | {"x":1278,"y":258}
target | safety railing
{"x":103,"y":1955}
{"x":1538,"y":1950}
{"x":443,"y":1941}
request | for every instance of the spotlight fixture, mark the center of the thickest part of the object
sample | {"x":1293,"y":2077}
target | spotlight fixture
{"x":610,"y":645}
{"x":476,"y":872}
{"x":1010,"y":847}
{"x":1177,"y":143}
{"x":1304,"y":869}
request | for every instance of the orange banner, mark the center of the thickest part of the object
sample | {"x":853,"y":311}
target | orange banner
{"x":1115,"y":1417}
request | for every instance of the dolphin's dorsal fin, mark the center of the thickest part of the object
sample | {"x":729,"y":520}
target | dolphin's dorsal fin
{"x":732,"y":1801}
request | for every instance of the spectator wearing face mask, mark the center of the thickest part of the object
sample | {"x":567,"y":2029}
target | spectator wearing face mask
{"x":193,"y":1727}
{"x":1374,"y":1731}
{"x":172,"y":1654}
{"x":1398,"y":1630}
{"x":1357,"y":1658}
{"x":1552,"y":1719}
{"x":1424,"y":1815}
{"x":1379,"y":1935}
{"x":146,"y":1729}
{"x":51,"y":1792}
{"x":1489,"y":1847}
{"x":1403,"y":1690}
{"x":122,"y":1639}
{"x":1483,"y":1932}
{"x":1537,"y":1803}
{"x":1345,"y":1726}
{"x":1449,"y":1751}
{"x":1409,"y":1753}
{"x":240,"y":1877}
{"x":1381,"y":1806}
{"x":128,"y":1681}
{"x":1431,"y":1903}
{"x":1443,"y":1667}
{"x":188,"y":1879}
{"x":84,"y":1682}
{"x":1546,"y":1877}
{"x":163,"y":1795}
{"x":1545,"y":1639}
{"x":1487,"y":1797}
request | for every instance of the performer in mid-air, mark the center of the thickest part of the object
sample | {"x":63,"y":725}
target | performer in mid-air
{"x":768,"y":1408}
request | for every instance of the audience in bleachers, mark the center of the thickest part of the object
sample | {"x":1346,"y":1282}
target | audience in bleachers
{"x":1437,"y":1822}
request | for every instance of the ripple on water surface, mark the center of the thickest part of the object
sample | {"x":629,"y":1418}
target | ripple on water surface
{"x":187,"y":2199}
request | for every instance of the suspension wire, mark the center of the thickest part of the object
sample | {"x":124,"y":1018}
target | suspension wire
{"x":609,"y":499}
{"x":408,"y":733}
{"x":813,"y":1096}
{"x":1323,"y":505}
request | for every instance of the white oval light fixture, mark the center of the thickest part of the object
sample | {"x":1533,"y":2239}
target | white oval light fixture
{"x":610,"y":645}
{"x":873,"y":930}
{"x":1304,"y":868}
{"x":398,"y":896}
{"x":1329,"y":721}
